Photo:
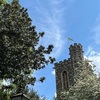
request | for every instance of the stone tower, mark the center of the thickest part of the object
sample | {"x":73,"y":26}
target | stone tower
{"x":65,"y":70}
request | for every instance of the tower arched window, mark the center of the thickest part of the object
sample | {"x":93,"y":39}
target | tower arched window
{"x":65,"y":80}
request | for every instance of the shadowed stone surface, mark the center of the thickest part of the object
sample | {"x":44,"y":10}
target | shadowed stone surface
{"x":65,"y":70}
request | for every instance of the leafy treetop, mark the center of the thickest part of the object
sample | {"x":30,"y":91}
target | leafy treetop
{"x":20,"y":53}
{"x":86,"y":87}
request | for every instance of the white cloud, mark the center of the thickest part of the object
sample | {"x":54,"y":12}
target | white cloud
{"x":53,"y":72}
{"x":51,"y":21}
{"x":95,"y":57}
{"x":91,"y":53}
{"x":96,"y":30}
{"x":55,"y":94}
{"x":88,"y":50}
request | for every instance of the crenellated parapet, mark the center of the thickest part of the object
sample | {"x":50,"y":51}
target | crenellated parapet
{"x":65,"y":69}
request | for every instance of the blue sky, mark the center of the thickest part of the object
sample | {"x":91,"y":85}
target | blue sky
{"x":60,"y":19}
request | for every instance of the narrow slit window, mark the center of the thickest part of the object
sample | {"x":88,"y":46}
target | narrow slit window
{"x":65,"y":80}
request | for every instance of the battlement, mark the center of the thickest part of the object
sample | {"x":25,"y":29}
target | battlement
{"x":75,"y":46}
{"x":75,"y":51}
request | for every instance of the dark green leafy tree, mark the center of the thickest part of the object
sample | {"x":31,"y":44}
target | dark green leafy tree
{"x":20,"y":53}
{"x":86,"y":87}
{"x":5,"y":94}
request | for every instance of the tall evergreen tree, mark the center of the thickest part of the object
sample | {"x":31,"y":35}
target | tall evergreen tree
{"x":20,"y":53}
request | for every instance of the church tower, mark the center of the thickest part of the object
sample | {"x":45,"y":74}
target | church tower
{"x":65,"y":70}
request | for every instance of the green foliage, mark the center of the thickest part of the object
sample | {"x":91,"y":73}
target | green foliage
{"x":4,"y":1}
{"x":20,"y":53}
{"x":5,"y":94}
{"x":34,"y":96}
{"x":86,"y":87}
